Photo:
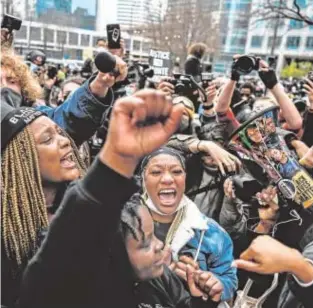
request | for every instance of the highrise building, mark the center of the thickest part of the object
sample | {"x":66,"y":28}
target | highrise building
{"x":284,"y":39}
{"x":64,"y":6}
{"x":127,"y":12}
{"x":234,"y":25}
{"x":20,"y":8}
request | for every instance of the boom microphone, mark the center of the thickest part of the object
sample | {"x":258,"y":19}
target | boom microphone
{"x":105,"y":62}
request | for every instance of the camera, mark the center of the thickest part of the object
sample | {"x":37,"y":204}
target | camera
{"x":246,"y":186}
{"x":246,"y":64}
{"x":11,"y":23}
{"x":310,"y":76}
{"x":206,"y":78}
{"x":183,"y":85}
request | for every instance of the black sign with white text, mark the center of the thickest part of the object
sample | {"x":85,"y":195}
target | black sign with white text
{"x":161,"y":63}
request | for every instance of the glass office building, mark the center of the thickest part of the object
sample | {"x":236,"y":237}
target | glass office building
{"x":234,"y":24}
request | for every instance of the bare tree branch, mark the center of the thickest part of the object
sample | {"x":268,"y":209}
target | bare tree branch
{"x":271,"y":10}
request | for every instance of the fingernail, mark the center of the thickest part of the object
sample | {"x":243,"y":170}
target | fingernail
{"x":233,"y":264}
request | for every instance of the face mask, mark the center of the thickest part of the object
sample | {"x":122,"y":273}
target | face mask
{"x":11,"y":97}
{"x":184,"y":124}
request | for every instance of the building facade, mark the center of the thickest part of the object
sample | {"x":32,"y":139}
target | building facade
{"x":68,"y":44}
{"x":127,"y":12}
{"x":234,"y":25}
{"x":293,"y":39}
{"x":43,"y":6}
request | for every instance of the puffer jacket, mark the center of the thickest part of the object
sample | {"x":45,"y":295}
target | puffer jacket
{"x":209,"y":244}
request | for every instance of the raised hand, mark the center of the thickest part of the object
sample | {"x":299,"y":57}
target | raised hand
{"x":307,"y":159}
{"x":103,"y":81}
{"x":222,"y":158}
{"x":166,"y":87}
{"x":210,"y":93}
{"x":139,"y":125}
{"x":120,"y":52}
{"x":269,"y":204}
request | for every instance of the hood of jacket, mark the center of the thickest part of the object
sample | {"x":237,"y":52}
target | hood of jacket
{"x":194,"y":220}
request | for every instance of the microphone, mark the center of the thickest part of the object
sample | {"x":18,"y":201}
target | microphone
{"x":105,"y":62}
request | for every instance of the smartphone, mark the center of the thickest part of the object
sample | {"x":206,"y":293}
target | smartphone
{"x":114,"y":36}
{"x":11,"y":23}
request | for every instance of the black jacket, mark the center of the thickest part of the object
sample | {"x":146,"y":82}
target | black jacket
{"x":168,"y":291}
{"x":83,"y":262}
{"x":293,"y":295}
{"x":193,"y":67}
{"x":75,"y":266}
{"x":307,"y":136}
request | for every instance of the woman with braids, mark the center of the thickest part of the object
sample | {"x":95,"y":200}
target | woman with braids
{"x":94,"y":255}
{"x":193,"y":238}
{"x":38,"y":161}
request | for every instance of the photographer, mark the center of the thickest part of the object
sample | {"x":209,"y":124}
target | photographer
{"x":193,"y":65}
{"x":269,"y":79}
{"x":247,"y":90}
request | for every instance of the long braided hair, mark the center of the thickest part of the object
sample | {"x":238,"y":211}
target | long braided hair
{"x":23,"y":210}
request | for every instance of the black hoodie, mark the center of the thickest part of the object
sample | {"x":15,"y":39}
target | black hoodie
{"x":83,"y":262}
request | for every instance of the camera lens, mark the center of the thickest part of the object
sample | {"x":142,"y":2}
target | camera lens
{"x":245,"y":64}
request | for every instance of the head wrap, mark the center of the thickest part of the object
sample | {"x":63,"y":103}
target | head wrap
{"x":15,"y":121}
{"x":162,"y":150}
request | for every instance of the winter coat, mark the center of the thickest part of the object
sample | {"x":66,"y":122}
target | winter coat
{"x":207,"y":242}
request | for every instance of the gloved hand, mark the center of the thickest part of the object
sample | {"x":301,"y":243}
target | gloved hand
{"x":235,"y":75}
{"x":269,"y":78}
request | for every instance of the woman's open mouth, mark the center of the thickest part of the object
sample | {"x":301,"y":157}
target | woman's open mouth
{"x":68,"y":161}
{"x":167,"y":196}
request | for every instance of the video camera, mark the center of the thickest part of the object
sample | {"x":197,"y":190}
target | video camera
{"x":141,"y":70}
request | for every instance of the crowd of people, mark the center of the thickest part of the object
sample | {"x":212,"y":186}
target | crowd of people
{"x":144,"y":200}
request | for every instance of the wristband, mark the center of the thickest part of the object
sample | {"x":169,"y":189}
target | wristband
{"x":209,"y":107}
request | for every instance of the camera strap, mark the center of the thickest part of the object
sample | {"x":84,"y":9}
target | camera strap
{"x":203,"y":189}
